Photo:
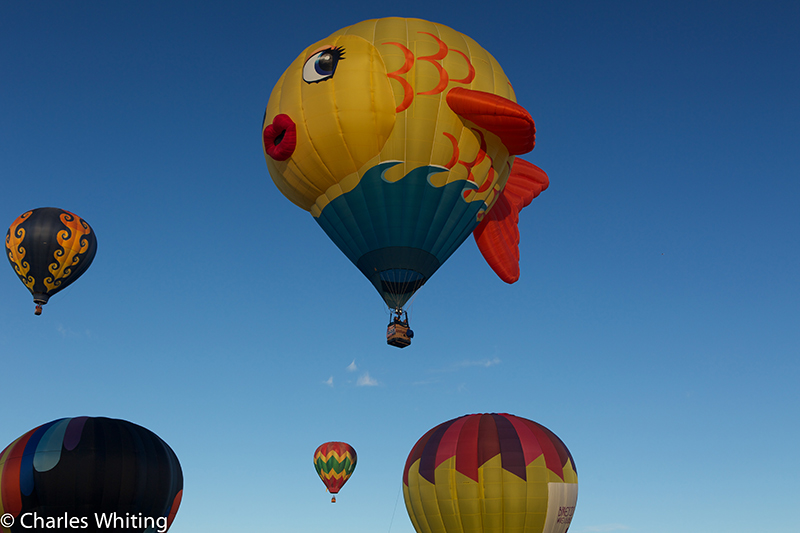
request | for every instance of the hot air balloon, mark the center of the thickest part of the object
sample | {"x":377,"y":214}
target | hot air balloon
{"x":89,"y":474}
{"x":490,"y":473}
{"x":49,"y":248}
{"x":400,"y":136}
{"x":335,"y":463}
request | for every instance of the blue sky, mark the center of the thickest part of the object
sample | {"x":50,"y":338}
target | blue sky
{"x":654,"y":327}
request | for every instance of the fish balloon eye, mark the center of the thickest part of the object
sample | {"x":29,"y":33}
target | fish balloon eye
{"x":322,"y":65}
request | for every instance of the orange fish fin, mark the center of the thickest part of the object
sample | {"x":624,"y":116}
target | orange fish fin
{"x":497,"y":235}
{"x":506,"y":119}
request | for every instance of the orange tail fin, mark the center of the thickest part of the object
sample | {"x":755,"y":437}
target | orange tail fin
{"x":497,"y":235}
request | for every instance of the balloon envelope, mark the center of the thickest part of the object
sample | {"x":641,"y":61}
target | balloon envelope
{"x":490,"y":473}
{"x":49,"y":248}
{"x":84,"y":468}
{"x":398,"y":135}
{"x":335,"y":463}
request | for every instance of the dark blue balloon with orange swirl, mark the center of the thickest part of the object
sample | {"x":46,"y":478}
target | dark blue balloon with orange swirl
{"x":49,"y":248}
{"x":89,"y":474}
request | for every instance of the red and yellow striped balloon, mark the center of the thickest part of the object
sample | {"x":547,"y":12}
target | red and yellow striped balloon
{"x":490,"y":473}
{"x":335,"y":463}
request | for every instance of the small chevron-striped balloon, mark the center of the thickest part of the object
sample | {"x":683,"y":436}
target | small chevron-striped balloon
{"x":335,"y":463}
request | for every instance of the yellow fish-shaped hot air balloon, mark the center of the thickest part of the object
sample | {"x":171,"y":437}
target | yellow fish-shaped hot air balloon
{"x":400,"y":136}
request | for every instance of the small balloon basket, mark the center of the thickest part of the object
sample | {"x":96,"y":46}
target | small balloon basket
{"x":398,"y":333}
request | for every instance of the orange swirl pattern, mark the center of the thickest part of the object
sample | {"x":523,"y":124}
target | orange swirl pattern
{"x":17,"y":252}
{"x":73,"y":243}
